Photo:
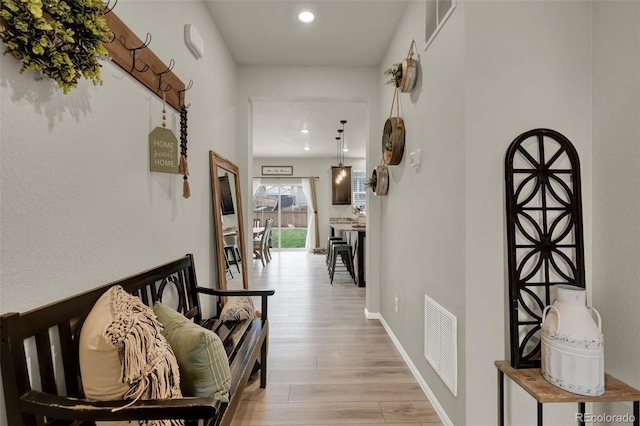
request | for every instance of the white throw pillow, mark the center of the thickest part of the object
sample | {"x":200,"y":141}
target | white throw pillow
{"x":238,"y":309}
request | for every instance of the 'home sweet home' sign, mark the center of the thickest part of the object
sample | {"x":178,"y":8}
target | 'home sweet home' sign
{"x":163,"y":151}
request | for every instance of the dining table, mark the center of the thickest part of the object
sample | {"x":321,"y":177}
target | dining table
{"x":347,"y":228}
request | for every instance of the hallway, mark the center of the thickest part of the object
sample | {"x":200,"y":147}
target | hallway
{"x":328,"y":364}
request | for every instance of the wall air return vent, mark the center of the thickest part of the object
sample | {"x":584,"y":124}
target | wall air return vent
{"x":440,"y":342}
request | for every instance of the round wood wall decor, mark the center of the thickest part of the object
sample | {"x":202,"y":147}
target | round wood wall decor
{"x":409,"y":75}
{"x":393,"y":134}
{"x":382,"y":180}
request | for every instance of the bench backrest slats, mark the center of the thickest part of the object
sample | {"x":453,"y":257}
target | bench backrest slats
{"x":143,"y":295}
{"x":12,"y":359}
{"x":69,"y":350}
{"x":79,"y":306}
{"x":45,"y":363}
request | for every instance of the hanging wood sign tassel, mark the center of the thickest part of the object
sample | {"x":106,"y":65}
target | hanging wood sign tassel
{"x":183,"y":166}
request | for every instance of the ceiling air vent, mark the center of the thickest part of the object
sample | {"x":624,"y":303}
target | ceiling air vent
{"x":440,"y":342}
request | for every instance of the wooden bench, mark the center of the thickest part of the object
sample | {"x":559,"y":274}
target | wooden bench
{"x":41,"y":347}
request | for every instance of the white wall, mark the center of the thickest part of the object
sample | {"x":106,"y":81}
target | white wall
{"x":527,"y":66}
{"x":79,"y":207}
{"x":421,"y":220}
{"x":496,"y":69}
{"x":616,"y":188}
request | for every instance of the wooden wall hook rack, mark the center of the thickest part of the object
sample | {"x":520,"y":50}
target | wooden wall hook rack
{"x":136,"y":58}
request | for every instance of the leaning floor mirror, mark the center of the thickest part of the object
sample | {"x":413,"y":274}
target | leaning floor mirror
{"x":228,"y":223}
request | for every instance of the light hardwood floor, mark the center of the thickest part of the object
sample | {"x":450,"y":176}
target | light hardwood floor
{"x":328,"y":364}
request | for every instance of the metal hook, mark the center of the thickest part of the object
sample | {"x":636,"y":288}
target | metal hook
{"x":181,"y":94}
{"x":108,"y":9}
{"x":172,"y":63}
{"x":134,"y":54}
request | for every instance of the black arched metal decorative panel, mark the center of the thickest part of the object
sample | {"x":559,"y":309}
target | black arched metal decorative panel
{"x":544,"y":231}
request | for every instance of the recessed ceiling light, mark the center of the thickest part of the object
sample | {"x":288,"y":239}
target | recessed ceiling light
{"x":306,"y":17}
{"x":306,"y":148}
{"x":345,"y":149}
{"x":305,"y":131}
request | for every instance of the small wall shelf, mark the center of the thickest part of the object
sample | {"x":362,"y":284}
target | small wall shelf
{"x":531,"y":380}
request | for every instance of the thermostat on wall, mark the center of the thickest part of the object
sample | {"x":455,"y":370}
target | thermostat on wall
{"x":194,"y":41}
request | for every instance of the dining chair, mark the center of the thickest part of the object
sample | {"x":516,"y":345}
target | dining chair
{"x":260,"y":243}
{"x":269,"y":242}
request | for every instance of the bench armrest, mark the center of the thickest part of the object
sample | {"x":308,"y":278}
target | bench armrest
{"x":65,"y":408}
{"x":227,"y":293}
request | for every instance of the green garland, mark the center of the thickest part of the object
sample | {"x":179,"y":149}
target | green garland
{"x":61,"y":39}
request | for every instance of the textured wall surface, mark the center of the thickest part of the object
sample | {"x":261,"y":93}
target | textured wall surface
{"x":528,"y":66}
{"x":493,"y":72}
{"x":79,"y":207}
{"x":421,"y":220}
{"x":616,"y":188}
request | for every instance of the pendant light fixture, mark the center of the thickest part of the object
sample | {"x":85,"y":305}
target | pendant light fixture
{"x":340,"y":153}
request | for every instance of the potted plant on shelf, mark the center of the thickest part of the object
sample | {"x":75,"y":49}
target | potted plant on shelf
{"x":372,"y":182}
{"x":379,"y":180}
{"x":403,"y":74}
{"x":395,"y":74}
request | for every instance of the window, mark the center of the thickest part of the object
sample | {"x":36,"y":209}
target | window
{"x":288,"y":207}
{"x":437,"y":12}
{"x":360,"y":190}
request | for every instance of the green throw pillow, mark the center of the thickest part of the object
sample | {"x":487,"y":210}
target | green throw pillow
{"x":204,"y":367}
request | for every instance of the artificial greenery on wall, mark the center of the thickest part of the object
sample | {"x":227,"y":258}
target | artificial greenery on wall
{"x":395,"y":74}
{"x":63,"y":40}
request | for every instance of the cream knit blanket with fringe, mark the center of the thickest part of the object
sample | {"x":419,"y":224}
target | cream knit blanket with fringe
{"x":149,"y":365}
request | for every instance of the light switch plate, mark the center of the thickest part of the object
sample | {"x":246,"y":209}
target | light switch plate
{"x":415,"y":158}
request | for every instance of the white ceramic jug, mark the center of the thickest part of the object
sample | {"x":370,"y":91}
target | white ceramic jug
{"x":572,"y":343}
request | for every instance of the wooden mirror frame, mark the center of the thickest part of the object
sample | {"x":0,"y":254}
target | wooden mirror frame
{"x":216,"y":161}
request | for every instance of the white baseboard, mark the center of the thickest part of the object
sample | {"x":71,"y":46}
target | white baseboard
{"x":371,"y":315}
{"x":423,"y":384}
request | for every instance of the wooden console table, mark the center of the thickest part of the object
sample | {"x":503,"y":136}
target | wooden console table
{"x":531,"y":380}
